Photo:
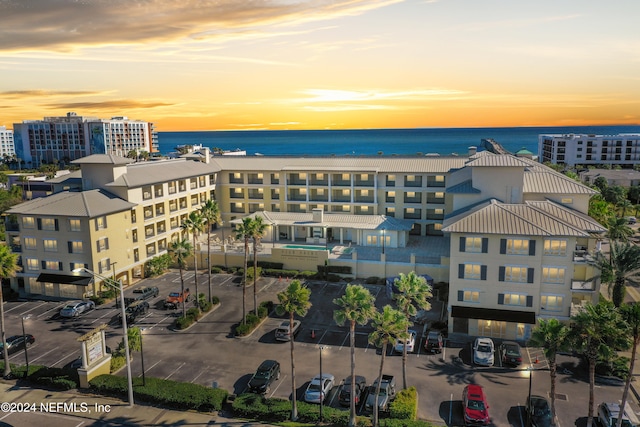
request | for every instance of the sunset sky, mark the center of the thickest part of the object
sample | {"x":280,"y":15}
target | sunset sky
{"x":322,"y":64}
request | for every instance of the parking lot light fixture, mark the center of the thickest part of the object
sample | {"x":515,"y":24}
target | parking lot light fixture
{"x":321,"y":384}
{"x":24,"y":342}
{"x":111,"y":282}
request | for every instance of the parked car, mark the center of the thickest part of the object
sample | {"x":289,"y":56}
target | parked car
{"x":539,"y":411}
{"x":146,"y":292}
{"x":135,"y":310}
{"x":631,"y":220}
{"x":283,"y":333}
{"x":175,"y":299}
{"x":17,"y":343}
{"x":608,"y":414}
{"x":344,"y":398}
{"x":319,"y":388}
{"x":511,"y":354}
{"x":267,"y":373}
{"x":483,"y":351}
{"x":434,"y":342}
{"x":475,"y":407}
{"x":387,"y":394}
{"x":76,"y":308}
{"x":410,"y":343}
{"x":127,"y":301}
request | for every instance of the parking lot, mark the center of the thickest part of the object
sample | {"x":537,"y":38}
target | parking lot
{"x":208,"y":353}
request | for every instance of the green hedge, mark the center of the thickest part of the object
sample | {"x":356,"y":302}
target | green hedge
{"x":171,"y":394}
{"x":405,"y":405}
{"x":258,"y":407}
{"x":57,"y":378}
{"x":252,"y":320}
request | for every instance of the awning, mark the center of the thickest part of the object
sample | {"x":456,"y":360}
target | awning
{"x":494,"y":314}
{"x":64,"y":278}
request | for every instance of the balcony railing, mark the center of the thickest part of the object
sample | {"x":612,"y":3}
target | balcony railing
{"x":583,"y":257}
{"x":583,"y":285}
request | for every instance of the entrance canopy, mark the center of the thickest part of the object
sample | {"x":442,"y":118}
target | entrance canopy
{"x":494,"y":314}
{"x":64,"y":278}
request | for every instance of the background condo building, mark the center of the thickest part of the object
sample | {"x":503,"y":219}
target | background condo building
{"x":509,"y":235}
{"x":63,"y":139}
{"x":580,"y":149}
{"x":6,"y":142}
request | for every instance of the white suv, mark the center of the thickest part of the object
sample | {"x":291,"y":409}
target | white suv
{"x":608,"y":413}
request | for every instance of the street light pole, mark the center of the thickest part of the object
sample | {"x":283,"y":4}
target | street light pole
{"x":321,"y":384}
{"x":144,"y":380}
{"x":383,"y":240}
{"x":125,"y":334}
{"x":24,"y":340}
{"x":528,"y":406}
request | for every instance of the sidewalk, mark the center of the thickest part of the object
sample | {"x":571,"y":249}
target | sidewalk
{"x":75,"y":408}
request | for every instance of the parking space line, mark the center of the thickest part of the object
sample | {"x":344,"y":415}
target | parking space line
{"x":343,"y":341}
{"x":58,"y":307}
{"x":152,"y":366}
{"x":198,"y":376}
{"x":108,"y":313}
{"x":226,"y":280}
{"x":175,"y":370}
{"x":17,"y":306}
{"x":279,"y":384}
{"x":44,"y":303}
{"x":325,"y":333}
{"x":43,"y":354}
{"x":59,"y":361}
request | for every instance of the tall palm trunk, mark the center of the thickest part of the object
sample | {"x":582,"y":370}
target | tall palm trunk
{"x":627,"y":383}
{"x":244,"y":281}
{"x":592,"y":381}
{"x":404,"y":356}
{"x":184,"y":310}
{"x":377,"y":406}
{"x":209,"y":258}
{"x":352,"y":404}
{"x":5,"y":350}
{"x":195,"y":270}
{"x":553,"y":373}
{"x":294,"y":406}
{"x":255,"y":276}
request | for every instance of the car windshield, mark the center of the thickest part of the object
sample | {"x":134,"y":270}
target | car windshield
{"x":484,"y":348}
{"x":478,"y":405}
{"x":68,"y":307}
{"x":512,"y":351}
{"x":262,"y":374}
{"x":174,"y":294}
{"x":314,"y":387}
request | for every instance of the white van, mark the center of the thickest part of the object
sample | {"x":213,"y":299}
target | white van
{"x":282,"y":331}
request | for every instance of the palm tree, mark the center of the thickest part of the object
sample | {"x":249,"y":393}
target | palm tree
{"x":210,"y":213}
{"x":631,"y":314}
{"x":624,"y":206}
{"x":294,"y":300}
{"x":257,"y":231}
{"x":551,"y":335}
{"x":597,"y":331}
{"x":623,"y":265}
{"x":194,"y":224}
{"x":181,"y":250}
{"x":245,"y":231}
{"x":618,"y":229}
{"x":414,"y":292}
{"x":8,"y":268}
{"x":387,"y":326}
{"x":357,"y":305}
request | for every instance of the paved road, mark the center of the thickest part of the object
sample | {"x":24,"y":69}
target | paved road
{"x":208,"y":354}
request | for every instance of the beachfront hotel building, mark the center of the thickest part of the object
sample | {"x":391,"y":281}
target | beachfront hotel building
{"x":509,"y":235}
{"x":70,"y":137}
{"x":581,"y":149}
{"x":6,"y":142}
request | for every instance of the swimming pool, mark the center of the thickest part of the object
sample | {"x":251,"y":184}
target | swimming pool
{"x":306,"y":247}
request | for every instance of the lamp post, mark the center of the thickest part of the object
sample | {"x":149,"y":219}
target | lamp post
{"x":528,"y":405}
{"x":144,"y":380}
{"x":125,"y":334}
{"x":383,"y":240}
{"x":273,"y":235}
{"x":321,"y":383}
{"x":24,"y":340}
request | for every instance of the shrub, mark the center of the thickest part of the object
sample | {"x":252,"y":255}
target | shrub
{"x":184,"y":322}
{"x":58,"y":378}
{"x":168,"y":393}
{"x":405,"y":405}
{"x":215,"y":300}
{"x":216,"y":270}
{"x":250,"y":273}
{"x":205,"y":306}
{"x":97,"y":300}
{"x":193,"y":313}
{"x":252,"y":319}
{"x":117,"y":362}
{"x":243,"y":329}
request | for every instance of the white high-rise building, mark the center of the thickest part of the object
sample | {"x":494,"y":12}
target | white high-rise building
{"x":72,"y":137}
{"x":6,"y":142}
{"x":582,"y":149}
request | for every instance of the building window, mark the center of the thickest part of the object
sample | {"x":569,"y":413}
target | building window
{"x":569,"y":200}
{"x":517,"y":246}
{"x":469,"y":295}
{"x":52,"y":265}
{"x":515,"y":274}
{"x":146,"y":192}
{"x":391,"y":180}
{"x":521,"y":300}
{"x":101,"y":222}
{"x":74,"y":225}
{"x":474,"y":244}
{"x":75,"y":247}
{"x":104,"y":265}
{"x":50,"y":245}
{"x":472,"y":271}
{"x":30,"y":243}
{"x":76,"y":265}
{"x":555,"y":247}
{"x":552,"y":302}
{"x":553,"y":275}
{"x":28,"y":222}
{"x":48,"y":224}
{"x":102,"y":244}
{"x":32,"y":264}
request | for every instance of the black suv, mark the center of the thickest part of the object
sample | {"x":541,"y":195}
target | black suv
{"x":267,"y":372}
{"x":135,"y":309}
{"x":345,"y":391}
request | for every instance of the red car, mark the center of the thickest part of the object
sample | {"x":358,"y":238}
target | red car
{"x":475,"y":407}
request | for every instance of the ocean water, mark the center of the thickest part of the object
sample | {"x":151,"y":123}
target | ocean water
{"x":371,"y":142}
